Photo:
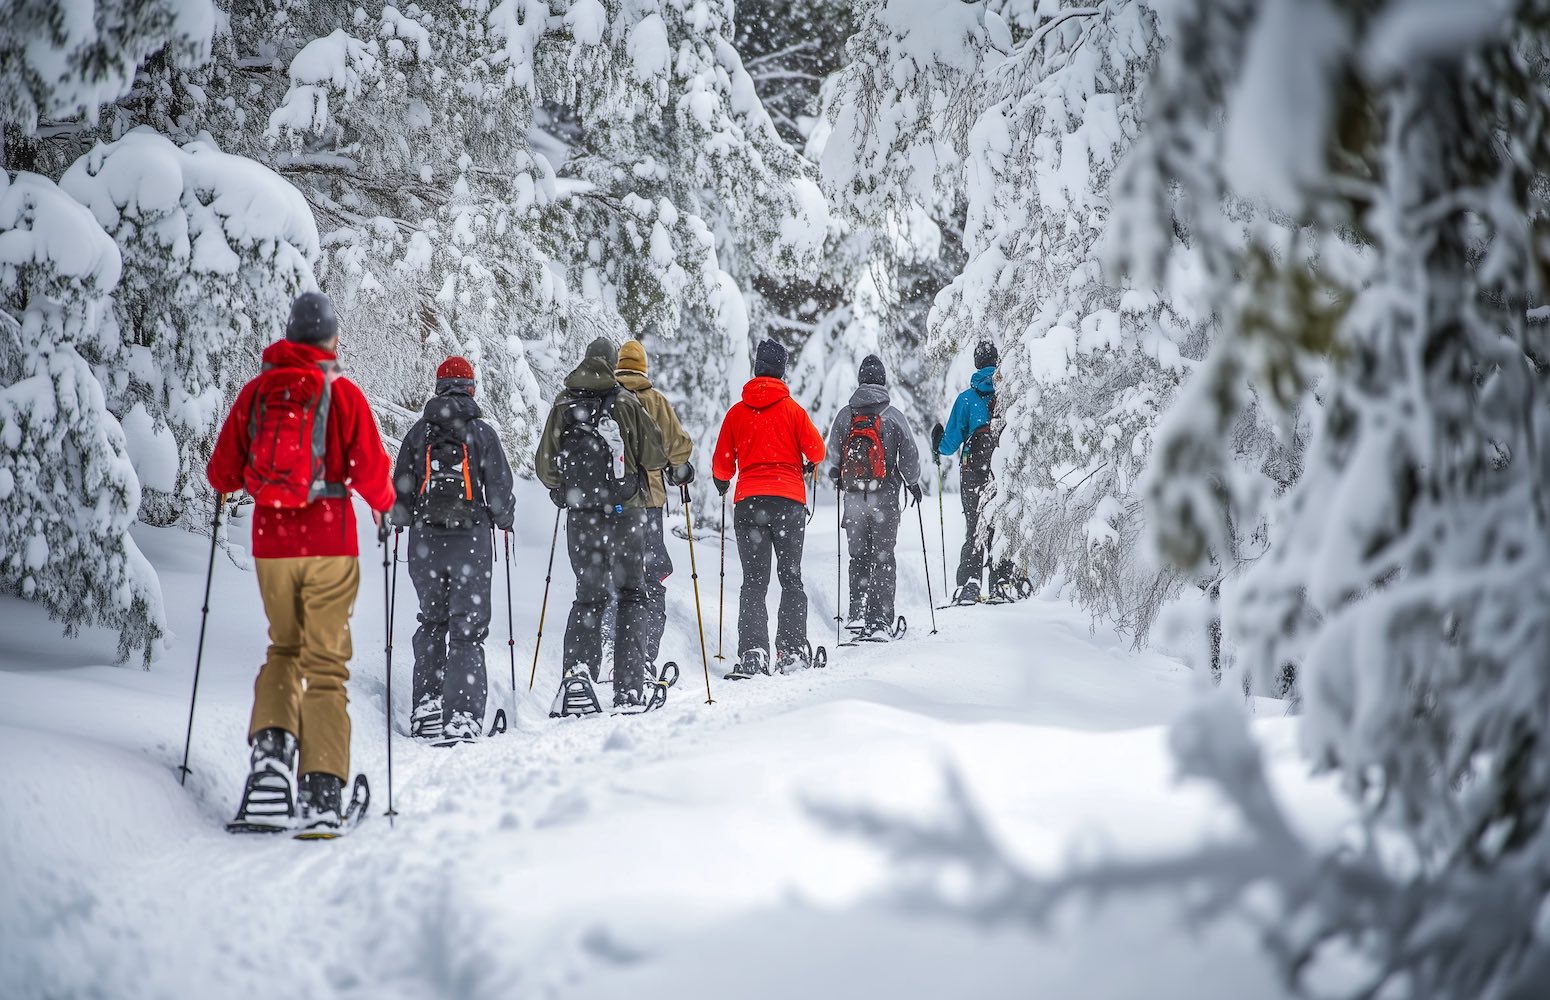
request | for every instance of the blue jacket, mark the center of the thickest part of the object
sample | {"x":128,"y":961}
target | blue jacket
{"x":971,"y":411}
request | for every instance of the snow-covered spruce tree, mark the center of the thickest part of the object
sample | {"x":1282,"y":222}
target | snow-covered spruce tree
{"x":67,"y":491}
{"x":659,"y":118}
{"x":59,"y":64}
{"x":214,"y":248}
{"x":1407,"y":580}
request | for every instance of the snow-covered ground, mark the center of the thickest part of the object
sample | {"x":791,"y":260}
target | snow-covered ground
{"x":670,"y":855}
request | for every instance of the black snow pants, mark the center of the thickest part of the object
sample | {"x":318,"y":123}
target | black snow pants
{"x":607,"y":553}
{"x":659,"y":566}
{"x":872,"y":532}
{"x":771,"y":529}
{"x":971,"y":561}
{"x":451,"y":574}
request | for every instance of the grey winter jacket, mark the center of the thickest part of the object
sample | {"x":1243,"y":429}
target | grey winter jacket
{"x":453,"y":407}
{"x":902,"y":455}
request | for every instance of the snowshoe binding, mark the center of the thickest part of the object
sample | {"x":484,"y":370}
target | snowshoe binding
{"x":576,"y":697}
{"x":802,"y":659}
{"x":425,"y":721}
{"x":883,"y":633}
{"x":323,"y":816}
{"x":966,"y":595}
{"x":461,"y":728}
{"x":654,"y":695}
{"x":753,"y":663}
{"x":1016,"y":588}
{"x":269,"y":795}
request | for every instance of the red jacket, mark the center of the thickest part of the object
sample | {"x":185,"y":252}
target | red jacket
{"x":763,"y":440}
{"x":353,"y":455}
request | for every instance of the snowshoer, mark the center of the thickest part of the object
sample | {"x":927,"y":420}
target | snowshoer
{"x":454,"y":486}
{"x":299,"y":437}
{"x":679,"y":447}
{"x":766,"y":440}
{"x":599,"y":447}
{"x":971,"y":430}
{"x":873,"y":456}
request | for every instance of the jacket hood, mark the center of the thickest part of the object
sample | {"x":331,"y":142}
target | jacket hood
{"x":291,"y":354}
{"x":763,"y":392}
{"x":593,"y":375}
{"x":633,"y":381}
{"x":984,"y":380}
{"x":869,"y":398}
{"x":451,"y":408}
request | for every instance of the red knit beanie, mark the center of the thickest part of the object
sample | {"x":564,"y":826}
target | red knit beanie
{"x":455,"y":367}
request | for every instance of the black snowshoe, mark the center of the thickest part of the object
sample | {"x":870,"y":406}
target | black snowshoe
{"x":802,"y":659}
{"x":463,"y":729}
{"x":269,"y":795}
{"x":651,"y":697}
{"x":576,"y":697}
{"x":752,"y":663}
{"x":323,"y":817}
{"x":884,"y":633}
{"x":1018,"y":588}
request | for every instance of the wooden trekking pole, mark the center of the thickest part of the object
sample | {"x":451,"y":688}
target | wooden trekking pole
{"x":199,"y":650}
{"x":694,"y":575}
{"x":721,"y":600}
{"x":544,"y":608}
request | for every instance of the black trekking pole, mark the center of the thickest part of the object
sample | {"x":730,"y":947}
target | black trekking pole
{"x":721,"y":601}
{"x":199,"y":651}
{"x":390,"y":598}
{"x":925,"y":559}
{"x":544,"y":609}
{"x":839,"y":544}
{"x":694,"y":575}
{"x":511,"y":628}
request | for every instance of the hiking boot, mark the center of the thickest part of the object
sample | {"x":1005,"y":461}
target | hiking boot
{"x":269,"y":794}
{"x":322,"y":805}
{"x":969,"y":593}
{"x":425,"y":722}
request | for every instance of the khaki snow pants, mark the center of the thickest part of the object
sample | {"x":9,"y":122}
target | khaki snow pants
{"x":301,"y":687}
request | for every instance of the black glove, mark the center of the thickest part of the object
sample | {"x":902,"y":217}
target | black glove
{"x":681,"y":475}
{"x":722,"y":485}
{"x":557,"y":495}
{"x":807,"y":468}
{"x":937,"y":430}
{"x":834,"y":473}
{"x":384,"y":529}
{"x":915,"y":493}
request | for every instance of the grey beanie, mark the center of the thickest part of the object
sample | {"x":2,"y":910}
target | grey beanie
{"x":312,"y":319}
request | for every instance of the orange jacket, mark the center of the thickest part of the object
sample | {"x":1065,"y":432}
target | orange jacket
{"x":763,"y":440}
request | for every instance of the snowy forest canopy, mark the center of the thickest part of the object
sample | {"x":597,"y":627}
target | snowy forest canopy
{"x":1269,"y":278}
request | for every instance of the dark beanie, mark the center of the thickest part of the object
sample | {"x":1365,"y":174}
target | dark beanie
{"x":872,"y":371}
{"x":604,"y":348}
{"x":769,"y":361}
{"x":986,"y":355}
{"x":312,"y":319}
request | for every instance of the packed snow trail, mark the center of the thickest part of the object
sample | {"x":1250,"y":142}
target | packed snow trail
{"x":670,"y":854}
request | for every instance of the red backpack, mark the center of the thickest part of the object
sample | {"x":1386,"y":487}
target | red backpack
{"x":287,"y":436}
{"x":865,"y":463}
